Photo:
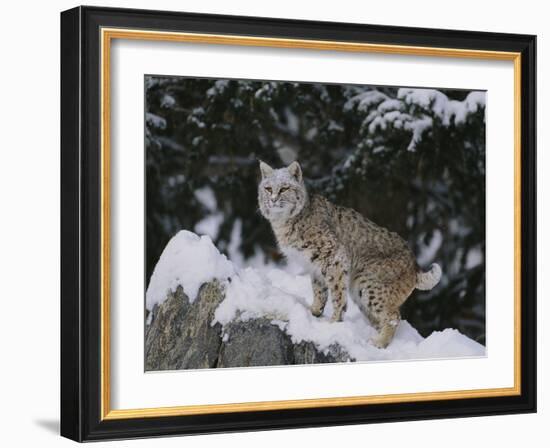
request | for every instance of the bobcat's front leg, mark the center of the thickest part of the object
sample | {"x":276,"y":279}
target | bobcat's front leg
{"x":335,"y":272}
{"x":332,"y":265}
{"x":320,"y":295}
{"x":338,"y":292}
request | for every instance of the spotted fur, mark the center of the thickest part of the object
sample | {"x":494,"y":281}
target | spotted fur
{"x":342,"y":251}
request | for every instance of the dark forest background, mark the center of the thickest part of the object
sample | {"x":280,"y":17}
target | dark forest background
{"x":412,"y":160}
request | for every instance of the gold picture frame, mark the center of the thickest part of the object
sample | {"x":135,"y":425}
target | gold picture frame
{"x":108,"y":30}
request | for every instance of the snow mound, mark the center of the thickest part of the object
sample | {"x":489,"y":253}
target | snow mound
{"x":284,"y":298}
{"x":187,"y":260}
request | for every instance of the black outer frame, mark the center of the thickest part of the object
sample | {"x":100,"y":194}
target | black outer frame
{"x":80,"y":223}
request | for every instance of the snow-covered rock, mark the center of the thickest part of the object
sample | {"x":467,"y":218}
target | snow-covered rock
{"x":260,"y":316}
{"x":180,"y":335}
{"x":189,"y":261}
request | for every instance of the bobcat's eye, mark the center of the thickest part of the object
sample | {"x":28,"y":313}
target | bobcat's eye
{"x":283,"y":189}
{"x":268,"y":189}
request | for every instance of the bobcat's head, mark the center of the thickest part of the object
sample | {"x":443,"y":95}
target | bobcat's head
{"x":281,"y":192}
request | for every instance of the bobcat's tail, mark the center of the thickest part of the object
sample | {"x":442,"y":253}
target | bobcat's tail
{"x":427,"y":280}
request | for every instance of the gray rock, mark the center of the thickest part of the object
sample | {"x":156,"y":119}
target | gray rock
{"x":180,"y":336}
{"x":259,"y":342}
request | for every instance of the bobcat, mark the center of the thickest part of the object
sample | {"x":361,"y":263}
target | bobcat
{"x":342,"y":251}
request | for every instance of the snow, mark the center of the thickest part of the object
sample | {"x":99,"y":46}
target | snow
{"x":414,"y":110}
{"x":187,"y":260}
{"x":234,"y":245}
{"x":418,"y":127}
{"x":441,"y":105}
{"x":390,"y":105}
{"x":167,"y":101}
{"x":206,"y":197}
{"x":284,"y":297}
{"x":365,"y":100}
{"x":175,"y":180}
{"x":218,"y":88}
{"x":235,"y":255}
{"x":196,"y":116}
{"x":292,"y":121}
{"x":311,"y":133}
{"x":286,"y":153}
{"x":427,"y":253}
{"x":264,"y":91}
{"x":211,"y":223}
{"x":474,"y":258}
{"x":335,"y":127}
{"x":155,"y":120}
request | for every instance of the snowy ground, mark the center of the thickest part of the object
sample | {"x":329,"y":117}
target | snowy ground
{"x":284,"y":296}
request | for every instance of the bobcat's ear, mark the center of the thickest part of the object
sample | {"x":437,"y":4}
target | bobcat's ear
{"x":265,"y":169}
{"x":295,"y":171}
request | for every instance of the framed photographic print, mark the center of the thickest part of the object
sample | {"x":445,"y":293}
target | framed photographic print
{"x":274,"y":224}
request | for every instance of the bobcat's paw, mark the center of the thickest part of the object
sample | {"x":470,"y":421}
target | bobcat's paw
{"x":379,"y":342}
{"x":316,"y":311}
